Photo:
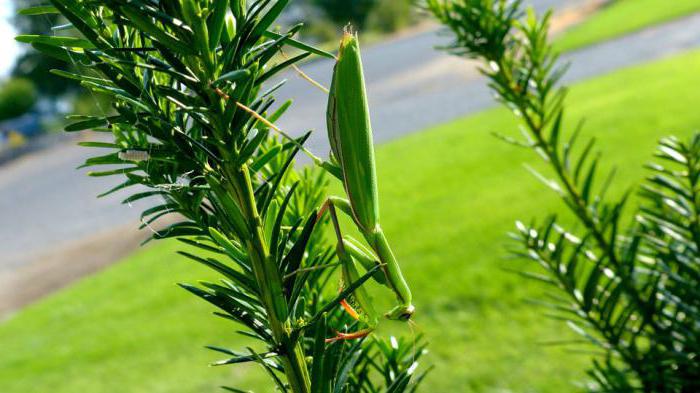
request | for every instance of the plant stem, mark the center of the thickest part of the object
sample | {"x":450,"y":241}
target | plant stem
{"x":579,"y":206}
{"x":267,"y":277}
{"x":270,"y":283}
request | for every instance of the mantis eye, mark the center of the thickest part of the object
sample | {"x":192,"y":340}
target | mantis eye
{"x":401,"y":313}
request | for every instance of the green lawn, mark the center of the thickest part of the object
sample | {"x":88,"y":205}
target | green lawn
{"x":450,"y":194}
{"x":621,"y":17}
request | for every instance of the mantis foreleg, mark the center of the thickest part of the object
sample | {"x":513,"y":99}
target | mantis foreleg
{"x":392,"y":276}
{"x":365,"y":256}
{"x":351,"y":274}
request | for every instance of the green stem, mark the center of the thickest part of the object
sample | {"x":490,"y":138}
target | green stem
{"x":270,"y":283}
{"x":579,"y":208}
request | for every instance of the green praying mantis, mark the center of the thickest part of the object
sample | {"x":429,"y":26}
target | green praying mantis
{"x":352,"y":161}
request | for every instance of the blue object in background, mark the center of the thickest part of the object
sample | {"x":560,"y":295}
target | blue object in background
{"x":28,"y":125}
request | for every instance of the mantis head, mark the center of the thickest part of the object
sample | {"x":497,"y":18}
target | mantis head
{"x":401,"y":313}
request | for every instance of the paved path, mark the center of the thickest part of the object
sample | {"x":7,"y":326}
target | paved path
{"x":45,"y":203}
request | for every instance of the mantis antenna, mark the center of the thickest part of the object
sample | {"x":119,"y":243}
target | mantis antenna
{"x":262,"y":119}
{"x":304,"y":76}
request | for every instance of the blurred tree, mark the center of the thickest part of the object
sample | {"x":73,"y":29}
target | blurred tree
{"x":35,"y":65}
{"x":321,"y":30}
{"x":347,"y":11}
{"x":390,"y":15}
{"x":17,"y":96}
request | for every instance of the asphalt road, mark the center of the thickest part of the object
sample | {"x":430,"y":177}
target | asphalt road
{"x":46,"y":205}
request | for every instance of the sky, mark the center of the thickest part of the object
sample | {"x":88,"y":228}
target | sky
{"x":8,"y":45}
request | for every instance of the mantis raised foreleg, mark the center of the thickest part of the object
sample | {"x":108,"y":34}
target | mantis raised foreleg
{"x":346,"y":255}
{"x":350,"y":252}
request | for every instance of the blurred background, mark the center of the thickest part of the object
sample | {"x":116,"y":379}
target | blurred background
{"x":76,"y":312}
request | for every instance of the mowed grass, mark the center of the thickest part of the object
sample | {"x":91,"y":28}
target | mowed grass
{"x":449,"y":196}
{"x":622,"y":17}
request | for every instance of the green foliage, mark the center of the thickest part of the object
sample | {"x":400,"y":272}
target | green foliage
{"x":321,"y":30}
{"x":343,"y":12}
{"x":383,"y":17}
{"x":34,"y":64}
{"x":92,"y":104}
{"x":192,"y":128}
{"x":390,"y":15}
{"x":17,"y":96}
{"x":627,"y":287}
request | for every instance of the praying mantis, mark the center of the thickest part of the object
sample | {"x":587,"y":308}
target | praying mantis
{"x":352,"y":161}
